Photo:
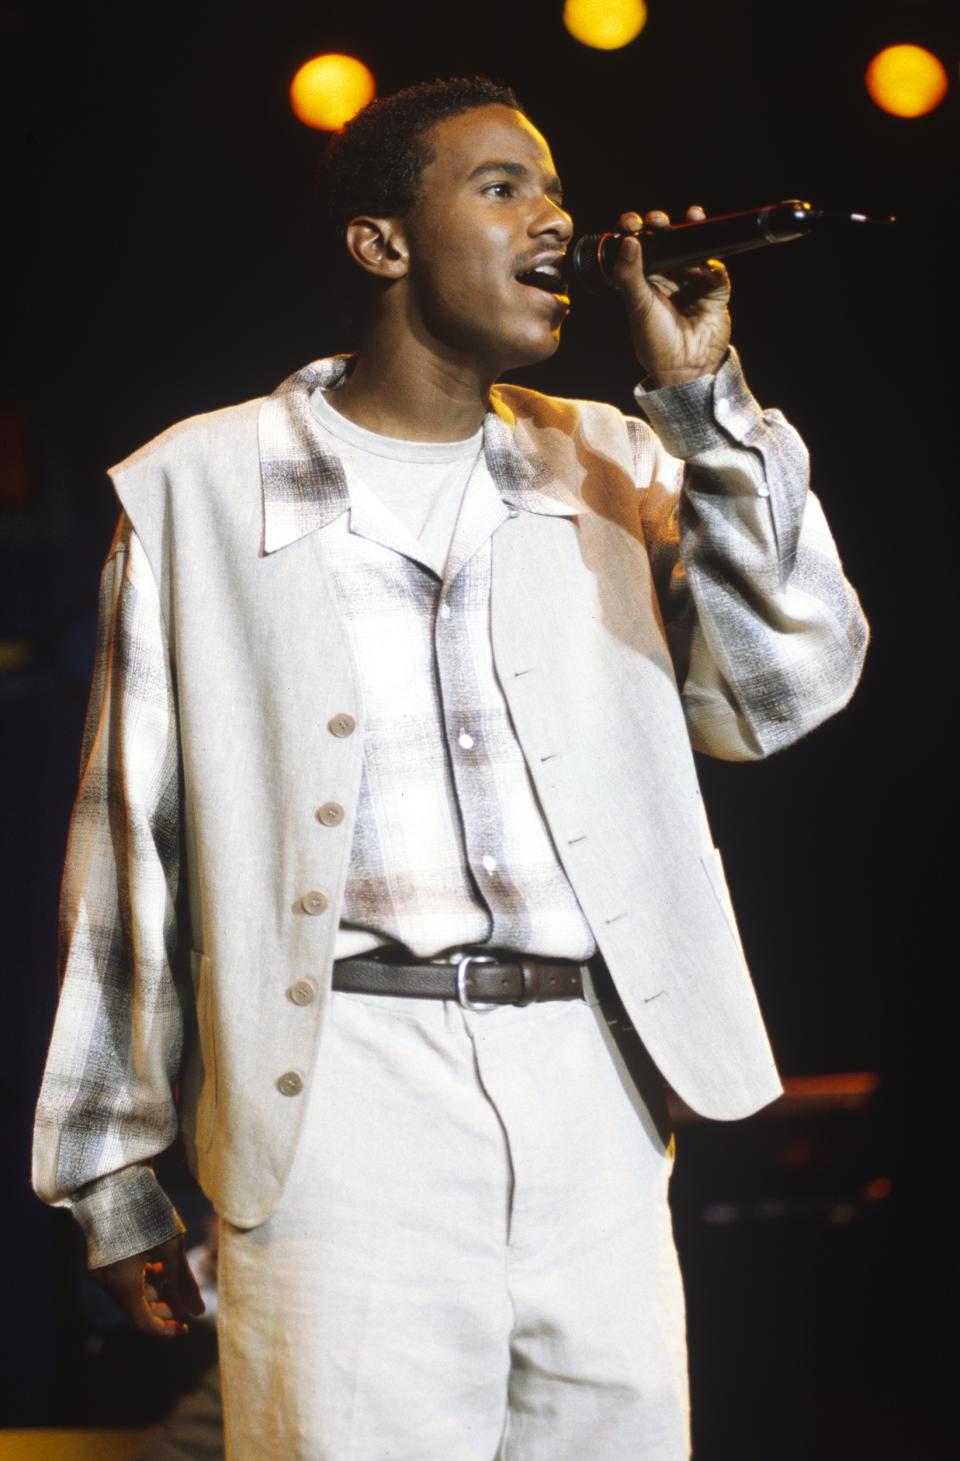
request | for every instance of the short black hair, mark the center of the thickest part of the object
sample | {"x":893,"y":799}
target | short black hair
{"x":375,"y":165}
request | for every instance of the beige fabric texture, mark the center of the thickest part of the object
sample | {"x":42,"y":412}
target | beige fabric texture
{"x":472,"y":1257}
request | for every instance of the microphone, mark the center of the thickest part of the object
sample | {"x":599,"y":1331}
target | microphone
{"x":593,"y":256}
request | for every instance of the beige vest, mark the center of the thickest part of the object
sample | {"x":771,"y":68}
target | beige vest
{"x":266,"y":690}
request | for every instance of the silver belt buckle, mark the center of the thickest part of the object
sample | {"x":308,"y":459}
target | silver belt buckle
{"x":463,"y":972}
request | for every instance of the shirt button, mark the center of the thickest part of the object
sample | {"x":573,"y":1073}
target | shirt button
{"x":290,"y":1084}
{"x":465,"y":740}
{"x":304,"y":991}
{"x":330,"y":814}
{"x":722,"y":407}
{"x":342,"y":725}
{"x":314,"y":902}
{"x":444,"y":611}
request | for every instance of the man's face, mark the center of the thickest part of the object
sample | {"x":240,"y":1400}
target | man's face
{"x":488,"y":212}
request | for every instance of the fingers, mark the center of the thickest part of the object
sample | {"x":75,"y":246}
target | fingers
{"x":688,"y":287}
{"x":175,"y":1284}
{"x":136,"y":1286}
{"x":631,"y":252}
{"x":162,"y":1300}
{"x":156,"y":1290}
{"x":696,"y":290}
{"x":633,"y":222}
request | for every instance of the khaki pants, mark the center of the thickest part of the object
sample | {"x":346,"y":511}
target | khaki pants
{"x":473,"y":1257}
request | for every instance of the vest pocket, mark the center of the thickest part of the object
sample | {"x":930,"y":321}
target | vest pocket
{"x":206,"y":1118}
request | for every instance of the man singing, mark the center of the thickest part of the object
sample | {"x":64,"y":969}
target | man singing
{"x":389,"y":879}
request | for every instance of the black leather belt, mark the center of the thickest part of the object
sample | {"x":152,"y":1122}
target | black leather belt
{"x":474,"y":981}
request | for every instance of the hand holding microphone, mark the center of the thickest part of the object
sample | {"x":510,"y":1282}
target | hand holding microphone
{"x":679,"y":325}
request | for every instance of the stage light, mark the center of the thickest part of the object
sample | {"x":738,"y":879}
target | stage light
{"x":327,"y":91}
{"x":906,"y":81}
{"x":606,"y":25}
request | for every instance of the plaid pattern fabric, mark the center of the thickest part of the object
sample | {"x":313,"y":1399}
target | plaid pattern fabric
{"x":767,"y":635}
{"x":760,"y":620}
{"x":450,"y":847}
{"x":106,"y":1105}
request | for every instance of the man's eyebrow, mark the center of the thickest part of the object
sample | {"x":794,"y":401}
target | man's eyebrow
{"x":517,"y":170}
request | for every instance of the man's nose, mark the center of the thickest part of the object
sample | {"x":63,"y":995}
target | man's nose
{"x":553,"y":219}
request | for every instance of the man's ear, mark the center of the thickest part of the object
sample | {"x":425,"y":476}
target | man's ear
{"x":378,"y":245}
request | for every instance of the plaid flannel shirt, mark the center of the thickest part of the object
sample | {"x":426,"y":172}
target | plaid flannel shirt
{"x":743,"y":528}
{"x":450,"y":848}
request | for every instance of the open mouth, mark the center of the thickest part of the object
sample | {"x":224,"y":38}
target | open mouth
{"x":546,"y":277}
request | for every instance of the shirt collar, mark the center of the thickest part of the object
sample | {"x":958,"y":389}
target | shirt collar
{"x":522,"y":475}
{"x":305,"y":488}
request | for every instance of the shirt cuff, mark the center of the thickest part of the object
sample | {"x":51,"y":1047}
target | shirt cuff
{"x":124,"y":1214}
{"x":703,"y":413}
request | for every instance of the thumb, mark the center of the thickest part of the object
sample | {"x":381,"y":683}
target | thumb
{"x":181,"y":1288}
{"x":188,"y":1290}
{"x":629,"y":275}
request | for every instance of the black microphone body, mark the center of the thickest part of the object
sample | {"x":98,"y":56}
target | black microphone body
{"x":593,"y":256}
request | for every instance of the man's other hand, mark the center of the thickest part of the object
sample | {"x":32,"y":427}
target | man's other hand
{"x":679,"y":323}
{"x":156,"y":1290}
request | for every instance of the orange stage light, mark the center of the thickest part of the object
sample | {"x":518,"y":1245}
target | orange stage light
{"x":327,"y":91}
{"x":605,"y":25}
{"x":906,"y":81}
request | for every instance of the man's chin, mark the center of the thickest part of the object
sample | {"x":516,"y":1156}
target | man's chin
{"x":534,"y":351}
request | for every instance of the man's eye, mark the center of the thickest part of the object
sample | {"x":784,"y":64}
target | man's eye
{"x":500,"y":190}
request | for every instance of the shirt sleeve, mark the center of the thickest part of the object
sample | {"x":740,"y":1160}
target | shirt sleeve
{"x":767,"y":635}
{"x":106,"y":1106}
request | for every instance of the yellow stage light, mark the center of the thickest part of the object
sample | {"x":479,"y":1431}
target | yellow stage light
{"x":906,"y":81}
{"x":327,"y":91}
{"x":606,"y":25}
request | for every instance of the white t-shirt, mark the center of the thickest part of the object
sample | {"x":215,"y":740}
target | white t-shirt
{"x":420,"y":482}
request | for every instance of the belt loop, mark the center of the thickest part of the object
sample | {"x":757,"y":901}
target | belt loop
{"x":531,"y":982}
{"x":588,"y":982}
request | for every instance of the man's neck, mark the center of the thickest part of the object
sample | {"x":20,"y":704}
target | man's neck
{"x":404,"y":390}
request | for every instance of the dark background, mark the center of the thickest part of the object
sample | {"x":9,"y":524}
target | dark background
{"x":158,"y":195}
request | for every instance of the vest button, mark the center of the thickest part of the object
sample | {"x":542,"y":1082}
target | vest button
{"x":290,"y":1084}
{"x":304,"y":991}
{"x":342,"y":725}
{"x":314,"y":902}
{"x":330,"y":814}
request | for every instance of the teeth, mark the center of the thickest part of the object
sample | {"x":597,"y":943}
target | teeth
{"x":544,"y":276}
